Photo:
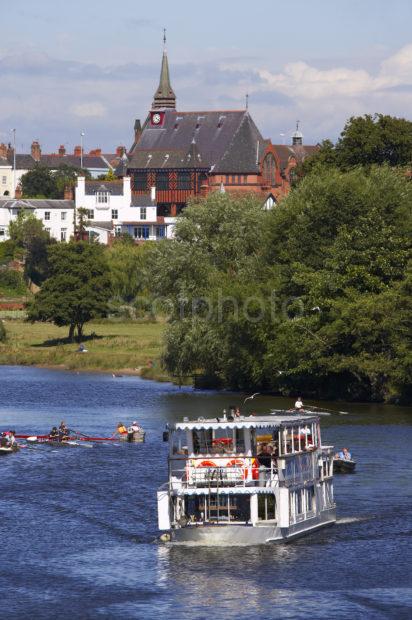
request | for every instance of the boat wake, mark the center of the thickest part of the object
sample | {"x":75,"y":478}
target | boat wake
{"x":345,"y":520}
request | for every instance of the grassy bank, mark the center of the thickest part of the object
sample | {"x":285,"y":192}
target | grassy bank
{"x":133,"y":348}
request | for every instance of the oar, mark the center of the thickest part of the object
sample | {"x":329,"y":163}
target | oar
{"x":331,"y":410}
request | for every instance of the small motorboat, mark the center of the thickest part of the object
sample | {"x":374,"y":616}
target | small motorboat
{"x":343,"y":466}
{"x":9,"y":449}
{"x":135,"y":437}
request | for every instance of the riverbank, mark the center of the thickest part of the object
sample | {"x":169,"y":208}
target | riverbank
{"x":114,"y":347}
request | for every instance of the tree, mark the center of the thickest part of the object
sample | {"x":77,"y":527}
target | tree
{"x":39,"y":183}
{"x":28,"y":235}
{"x":77,"y":290}
{"x":128,"y":264}
{"x":365,"y":141}
{"x":66,"y":176}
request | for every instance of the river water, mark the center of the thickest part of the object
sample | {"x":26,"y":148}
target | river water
{"x":78,"y":526}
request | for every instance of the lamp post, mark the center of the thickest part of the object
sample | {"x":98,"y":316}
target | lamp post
{"x":14,"y":162}
{"x":81,"y":149}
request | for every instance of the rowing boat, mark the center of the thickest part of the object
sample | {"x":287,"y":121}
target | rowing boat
{"x":55,"y":443}
{"x":343,"y":466}
{"x":9,"y":449}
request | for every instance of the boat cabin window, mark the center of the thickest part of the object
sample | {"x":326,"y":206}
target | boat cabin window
{"x":266,"y":507}
{"x":219,"y":441}
{"x":179,"y":443}
{"x":202,"y":441}
{"x":216,"y":508}
{"x":267,"y":438}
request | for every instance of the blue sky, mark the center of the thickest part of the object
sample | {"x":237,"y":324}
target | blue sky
{"x":93,"y":66}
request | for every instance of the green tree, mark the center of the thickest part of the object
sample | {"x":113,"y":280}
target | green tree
{"x":128,"y":264}
{"x":77,"y":290}
{"x":39,"y":183}
{"x":29,"y":236}
{"x":66,"y":176}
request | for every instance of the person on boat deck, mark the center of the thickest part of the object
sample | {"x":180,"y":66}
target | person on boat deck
{"x":12,"y":439}
{"x":54,"y":433}
{"x":345,"y":455}
{"x":237,"y":413}
{"x":265,"y":456}
{"x":299,"y":404}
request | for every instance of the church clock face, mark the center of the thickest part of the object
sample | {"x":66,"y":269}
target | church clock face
{"x":157,"y":118}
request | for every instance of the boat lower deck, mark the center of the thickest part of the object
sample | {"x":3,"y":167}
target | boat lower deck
{"x":248,"y":534}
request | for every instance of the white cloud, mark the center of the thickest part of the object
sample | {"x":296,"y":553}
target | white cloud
{"x":91,"y":109}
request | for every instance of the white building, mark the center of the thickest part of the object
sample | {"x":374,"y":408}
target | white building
{"x":57,"y":216}
{"x":113,"y":210}
{"x":6,"y":177}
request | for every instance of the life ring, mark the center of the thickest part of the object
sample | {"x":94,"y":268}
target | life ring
{"x":207,"y":464}
{"x":222,"y":440}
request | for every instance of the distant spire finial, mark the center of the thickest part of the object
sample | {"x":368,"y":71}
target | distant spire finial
{"x":164,"y":38}
{"x":247,"y":101}
{"x":297,"y":125}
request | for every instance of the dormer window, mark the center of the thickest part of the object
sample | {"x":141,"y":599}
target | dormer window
{"x":102,"y":197}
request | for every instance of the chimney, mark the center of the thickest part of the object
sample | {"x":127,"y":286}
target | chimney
{"x":77,"y":151}
{"x":120,"y":151}
{"x":62,"y":150}
{"x":35,"y":150}
{"x":3,"y":150}
{"x":10,"y":152}
{"x":137,"y":130}
{"x":68,"y":193}
{"x":18,"y":193}
{"x":153,"y":194}
{"x":96,"y":152}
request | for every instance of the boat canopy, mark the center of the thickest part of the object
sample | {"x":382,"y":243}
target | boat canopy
{"x":245,"y":422}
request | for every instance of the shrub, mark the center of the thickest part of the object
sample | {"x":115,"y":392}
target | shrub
{"x":12,"y":281}
{"x":3,"y":333}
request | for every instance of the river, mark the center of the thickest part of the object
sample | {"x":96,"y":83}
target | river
{"x":79,"y":526}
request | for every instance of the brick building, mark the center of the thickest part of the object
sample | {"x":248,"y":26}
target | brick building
{"x":184,"y":154}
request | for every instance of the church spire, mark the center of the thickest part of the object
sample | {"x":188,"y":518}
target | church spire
{"x":164,"y":96}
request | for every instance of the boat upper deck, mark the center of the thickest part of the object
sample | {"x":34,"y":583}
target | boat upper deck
{"x":245,"y":422}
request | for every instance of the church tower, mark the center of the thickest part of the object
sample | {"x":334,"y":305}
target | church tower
{"x":164,"y":96}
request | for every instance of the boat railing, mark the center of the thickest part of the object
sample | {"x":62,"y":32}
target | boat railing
{"x":218,"y":477}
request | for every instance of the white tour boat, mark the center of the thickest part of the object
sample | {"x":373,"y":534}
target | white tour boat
{"x":247,"y":481}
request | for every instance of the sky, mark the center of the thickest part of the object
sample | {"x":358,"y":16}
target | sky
{"x":93,"y":66}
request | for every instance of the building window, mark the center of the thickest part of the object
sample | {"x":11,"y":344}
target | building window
{"x":227,"y":179}
{"x":4,"y":180}
{"x":160,"y":232}
{"x":141,"y":232}
{"x":164,"y":209}
{"x":245,"y":178}
{"x":48,"y":230}
{"x":63,"y":234}
{"x":118,"y":231}
{"x":63,"y":215}
{"x":47,"y":215}
{"x":140,"y":181}
{"x":268,"y":172}
{"x":2,"y":232}
{"x":115,"y":214}
{"x":239,"y":180}
{"x":90,"y":214}
{"x":143,"y":213}
{"x":184,"y":180}
{"x":102,"y":197}
{"x":233,"y":179}
{"x":162,"y":180}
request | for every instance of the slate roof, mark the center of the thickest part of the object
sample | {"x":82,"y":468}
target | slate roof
{"x":4,"y":162}
{"x":104,"y":225}
{"x":298,"y":152}
{"x":27,"y":162}
{"x":226,"y":141}
{"x":142,"y":200}
{"x":114,"y":187}
{"x":35,"y":203}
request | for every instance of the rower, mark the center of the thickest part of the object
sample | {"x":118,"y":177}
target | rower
{"x":63,"y":430}
{"x":54,"y":433}
{"x":299,"y":404}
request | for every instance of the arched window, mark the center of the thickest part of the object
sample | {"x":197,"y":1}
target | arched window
{"x":269,"y":169}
